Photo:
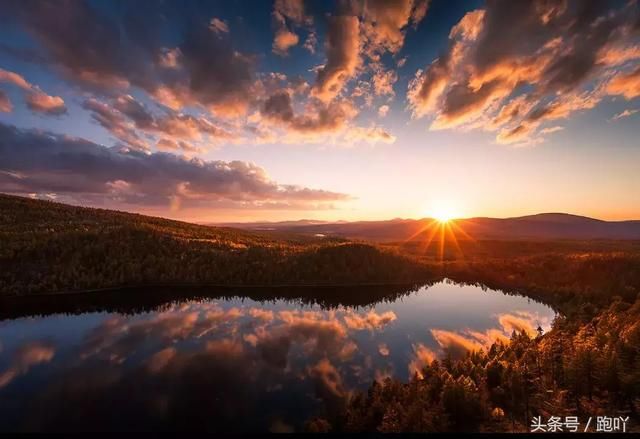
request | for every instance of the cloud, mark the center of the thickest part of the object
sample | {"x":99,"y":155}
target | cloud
{"x":132,"y":123}
{"x":292,"y":10}
{"x":625,"y":84}
{"x":165,"y":144}
{"x":283,"y":41}
{"x":427,"y":87}
{"x":423,"y":356}
{"x":71,"y":34}
{"x":42,"y":103}
{"x":328,"y":377}
{"x":15,"y":79}
{"x":249,"y":359}
{"x":455,"y":344}
{"x":24,"y":358}
{"x":319,"y":122}
{"x":513,"y":66}
{"x":215,"y":75}
{"x":384,"y":23}
{"x":625,"y":113}
{"x":369,"y":321}
{"x":371,"y":135}
{"x":383,"y":110}
{"x":218,"y":26}
{"x":521,"y":323}
{"x":290,"y":13}
{"x":515,"y":134}
{"x":318,"y":118}
{"x":370,"y":27}
{"x":134,"y":110}
{"x":463,"y":103}
{"x":551,"y":130}
{"x":210,"y":73}
{"x":169,"y":58}
{"x":261,"y":314}
{"x":311,"y":42}
{"x":322,"y":335}
{"x":383,"y":81}
{"x":459,"y":343}
{"x":208,"y":89}
{"x":36,"y":100}
{"x":342,"y":49}
{"x":37,"y":161}
{"x":115,"y":123}
{"x":5,"y":103}
{"x":161,"y":359}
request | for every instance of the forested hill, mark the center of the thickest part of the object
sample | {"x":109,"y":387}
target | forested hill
{"x":52,"y":247}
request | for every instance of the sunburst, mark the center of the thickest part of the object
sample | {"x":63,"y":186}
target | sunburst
{"x":443,"y":227}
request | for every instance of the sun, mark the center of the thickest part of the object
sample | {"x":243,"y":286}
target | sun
{"x":442,"y":212}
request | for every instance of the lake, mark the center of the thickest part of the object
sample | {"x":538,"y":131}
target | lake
{"x":234,"y":363}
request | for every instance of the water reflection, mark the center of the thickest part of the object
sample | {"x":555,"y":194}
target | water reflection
{"x":236,"y":364}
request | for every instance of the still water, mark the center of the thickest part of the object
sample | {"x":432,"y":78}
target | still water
{"x":236,"y":363}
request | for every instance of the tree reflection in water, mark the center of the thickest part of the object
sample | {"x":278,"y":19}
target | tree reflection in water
{"x":266,"y":361}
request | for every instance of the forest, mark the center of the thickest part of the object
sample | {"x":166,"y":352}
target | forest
{"x":587,"y":364}
{"x":48,"y":247}
{"x":584,"y":367}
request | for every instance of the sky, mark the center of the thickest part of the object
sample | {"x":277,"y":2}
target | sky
{"x":346,"y":110}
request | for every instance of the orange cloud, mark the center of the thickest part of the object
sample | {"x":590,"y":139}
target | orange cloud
{"x":625,"y":84}
{"x":342,"y":49}
{"x":261,"y":314}
{"x":456,"y":344}
{"x":423,"y":356}
{"x":5,"y":103}
{"x":15,"y":79}
{"x":284,"y":40}
{"x":370,"y":321}
{"x":493,"y":53}
{"x":290,"y":14}
{"x":36,"y":100}
{"x":427,"y":87}
{"x":42,"y":103}
{"x":319,"y":122}
{"x":383,"y":81}
{"x":25,"y":357}
{"x":510,"y":323}
{"x":384,"y":22}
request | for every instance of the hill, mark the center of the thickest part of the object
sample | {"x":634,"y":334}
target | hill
{"x":49,"y":247}
{"x":549,"y":226}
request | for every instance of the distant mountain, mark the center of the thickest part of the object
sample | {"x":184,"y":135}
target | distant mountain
{"x":540,"y":226}
{"x":268,"y":225}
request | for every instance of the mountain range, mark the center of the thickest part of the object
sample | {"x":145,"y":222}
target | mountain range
{"x":540,"y":226}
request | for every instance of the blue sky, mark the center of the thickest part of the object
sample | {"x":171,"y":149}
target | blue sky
{"x":287,"y":109}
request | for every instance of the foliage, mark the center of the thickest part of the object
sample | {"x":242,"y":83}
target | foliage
{"x":579,"y":368}
{"x":51,"y":247}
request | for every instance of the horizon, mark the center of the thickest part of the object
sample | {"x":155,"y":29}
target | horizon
{"x":338,"y":221}
{"x":336,"y":111}
{"x":426,"y":219}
